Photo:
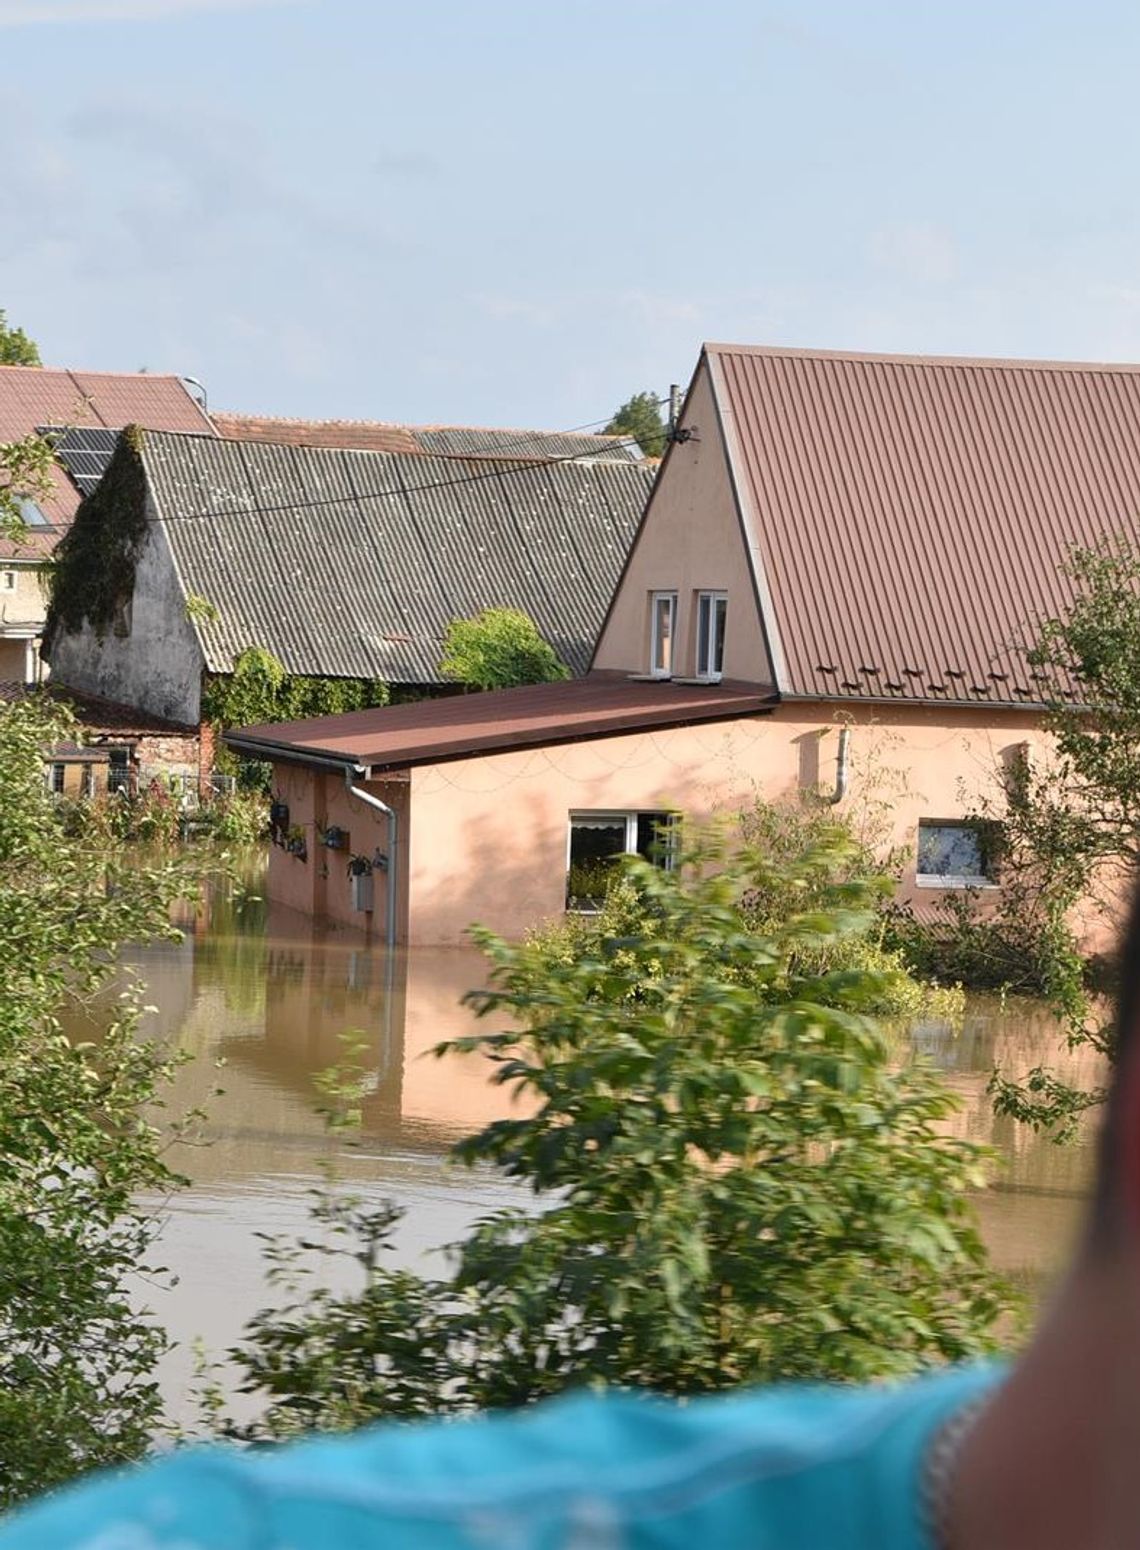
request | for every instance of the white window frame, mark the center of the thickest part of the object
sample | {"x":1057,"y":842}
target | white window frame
{"x":655,"y":641}
{"x":949,"y":879}
{"x":714,"y":643}
{"x":612,"y":817}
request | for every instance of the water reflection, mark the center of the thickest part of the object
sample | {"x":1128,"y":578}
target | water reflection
{"x":260,"y":998}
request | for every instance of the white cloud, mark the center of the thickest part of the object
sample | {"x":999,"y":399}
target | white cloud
{"x":26,"y":13}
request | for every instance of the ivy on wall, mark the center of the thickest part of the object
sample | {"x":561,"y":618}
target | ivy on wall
{"x":93,"y":575}
{"x":259,"y":689}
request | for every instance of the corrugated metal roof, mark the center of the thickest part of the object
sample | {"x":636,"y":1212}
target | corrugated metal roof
{"x":397,"y":736}
{"x":912,"y":515}
{"x":441,"y":440}
{"x":477,"y":441}
{"x":351,"y":564}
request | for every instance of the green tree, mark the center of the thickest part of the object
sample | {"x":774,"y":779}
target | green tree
{"x":497,"y":649}
{"x":640,"y":417}
{"x":16,"y":349}
{"x":25,"y":473}
{"x":1069,"y":826}
{"x":79,"y":1133}
{"x":733,"y":1180}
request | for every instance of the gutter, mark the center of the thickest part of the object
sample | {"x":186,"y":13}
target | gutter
{"x":393,"y":834}
{"x":269,"y":751}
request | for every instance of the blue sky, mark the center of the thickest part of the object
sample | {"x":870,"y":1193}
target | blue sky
{"x":518,"y":212}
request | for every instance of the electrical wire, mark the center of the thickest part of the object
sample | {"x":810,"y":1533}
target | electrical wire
{"x":358,"y":497}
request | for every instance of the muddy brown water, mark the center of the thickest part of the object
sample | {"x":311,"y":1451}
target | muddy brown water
{"x":260,"y":998}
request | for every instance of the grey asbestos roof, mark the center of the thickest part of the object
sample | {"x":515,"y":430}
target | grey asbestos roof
{"x":351,"y":564}
{"x":474,"y":441}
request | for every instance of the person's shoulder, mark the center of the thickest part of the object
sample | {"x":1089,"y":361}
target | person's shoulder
{"x":810,"y":1465}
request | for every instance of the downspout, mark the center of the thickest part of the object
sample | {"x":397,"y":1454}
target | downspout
{"x":382,"y":807}
{"x":842,"y":766}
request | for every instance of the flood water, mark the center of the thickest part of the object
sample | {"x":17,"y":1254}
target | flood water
{"x":260,"y":998}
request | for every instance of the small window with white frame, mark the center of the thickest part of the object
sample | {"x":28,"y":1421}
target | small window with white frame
{"x":712,"y":615}
{"x":56,"y":777}
{"x":7,"y":580}
{"x":662,"y":632}
{"x":596,"y":843}
{"x":957,"y":853}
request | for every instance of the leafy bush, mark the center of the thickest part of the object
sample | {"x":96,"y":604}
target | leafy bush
{"x":497,"y":649}
{"x":733,"y":1184}
{"x":77,"y":1132}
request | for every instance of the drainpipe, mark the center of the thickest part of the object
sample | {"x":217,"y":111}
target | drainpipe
{"x":842,"y":766}
{"x":389,"y":813}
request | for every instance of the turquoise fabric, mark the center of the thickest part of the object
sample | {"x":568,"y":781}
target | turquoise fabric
{"x":772,"y":1469}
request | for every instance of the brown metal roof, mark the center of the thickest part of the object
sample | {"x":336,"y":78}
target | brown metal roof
{"x":431,"y":731}
{"x":911,"y":515}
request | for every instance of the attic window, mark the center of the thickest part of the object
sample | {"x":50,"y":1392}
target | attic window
{"x":712,"y":615}
{"x":662,"y":632}
{"x":30,"y":513}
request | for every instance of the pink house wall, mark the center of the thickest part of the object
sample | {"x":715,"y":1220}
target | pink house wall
{"x":319,"y":885}
{"x":488,"y":835}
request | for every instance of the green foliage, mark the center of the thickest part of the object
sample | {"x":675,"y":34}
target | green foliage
{"x":93,"y":575}
{"x":640,"y":417}
{"x":78,"y":1133}
{"x":733,"y":1183}
{"x":259,"y":690}
{"x":1070,"y":824}
{"x":201,"y":610}
{"x":16,"y":349}
{"x":498,"y":648}
{"x":25,"y":470}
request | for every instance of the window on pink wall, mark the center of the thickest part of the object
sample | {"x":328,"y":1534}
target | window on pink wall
{"x":596,"y":842}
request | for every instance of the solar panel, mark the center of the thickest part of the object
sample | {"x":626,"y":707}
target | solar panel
{"x":83,"y":450}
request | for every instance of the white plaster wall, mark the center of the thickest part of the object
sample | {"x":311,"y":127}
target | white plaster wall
{"x":158,"y":666}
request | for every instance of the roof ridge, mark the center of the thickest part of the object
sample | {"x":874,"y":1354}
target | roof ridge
{"x":971,"y":362}
{"x":86,"y":371}
{"x":410,"y":425}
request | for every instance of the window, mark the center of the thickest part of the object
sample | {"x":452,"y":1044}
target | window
{"x":7,"y":580}
{"x":55,"y":778}
{"x":30,"y":512}
{"x":663,"y":617}
{"x":957,"y":854}
{"x":712,"y":611}
{"x":87,"y":783}
{"x":597,"y":841}
{"x":118,"y":771}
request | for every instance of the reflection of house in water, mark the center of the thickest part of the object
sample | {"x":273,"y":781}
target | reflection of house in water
{"x":1038,"y":1190}
{"x":272,"y":998}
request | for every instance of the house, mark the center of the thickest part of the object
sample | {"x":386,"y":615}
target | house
{"x":833,"y":589}
{"x":80,"y":409}
{"x":342,"y":563}
{"x":117,"y":749}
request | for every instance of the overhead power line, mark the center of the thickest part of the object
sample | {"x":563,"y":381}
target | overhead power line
{"x":518,"y":467}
